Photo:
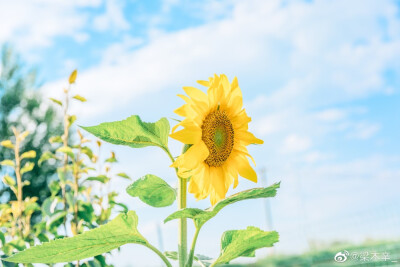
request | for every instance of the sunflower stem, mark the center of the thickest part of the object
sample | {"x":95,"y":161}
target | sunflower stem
{"x":182,"y":245}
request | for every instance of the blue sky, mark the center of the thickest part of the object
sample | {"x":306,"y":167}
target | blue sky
{"x":320,"y":80}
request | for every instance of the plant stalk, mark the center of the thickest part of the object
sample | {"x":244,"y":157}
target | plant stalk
{"x":191,"y":254}
{"x":165,"y":260}
{"x":182,"y":245}
{"x":19,"y":179}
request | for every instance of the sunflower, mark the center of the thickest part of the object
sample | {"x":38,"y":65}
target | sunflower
{"x":216,"y":127}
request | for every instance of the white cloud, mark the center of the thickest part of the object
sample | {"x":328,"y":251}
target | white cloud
{"x":113,"y":18}
{"x":294,"y":143}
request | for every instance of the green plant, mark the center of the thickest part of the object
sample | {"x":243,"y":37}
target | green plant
{"x":215,"y":135}
{"x":15,"y":216}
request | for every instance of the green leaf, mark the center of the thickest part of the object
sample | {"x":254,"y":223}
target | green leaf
{"x":56,"y":217}
{"x":202,"y":260}
{"x":67,"y":150}
{"x":153,"y":191}
{"x":2,"y":238}
{"x":87,"y":151}
{"x":8,"y":180}
{"x":101,"y":178}
{"x":29,"y":155}
{"x":173,"y":255}
{"x":46,"y":156}
{"x":7,"y":162}
{"x":27,"y":167}
{"x":58,"y":102}
{"x":237,"y":243}
{"x":123,"y":175}
{"x":80,"y":98}
{"x":133,"y":132}
{"x":120,"y":231}
{"x":7,"y":144}
{"x":202,"y":216}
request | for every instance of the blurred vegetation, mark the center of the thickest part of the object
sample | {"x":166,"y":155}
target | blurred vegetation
{"x":21,"y":106}
{"x":324,"y":257}
{"x":48,"y":168}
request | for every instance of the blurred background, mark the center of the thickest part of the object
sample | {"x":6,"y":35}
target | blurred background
{"x":320,"y":79}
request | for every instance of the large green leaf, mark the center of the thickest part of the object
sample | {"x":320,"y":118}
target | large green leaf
{"x":153,"y":191}
{"x":237,"y":243}
{"x":133,"y":132}
{"x":120,"y":231}
{"x":202,"y":216}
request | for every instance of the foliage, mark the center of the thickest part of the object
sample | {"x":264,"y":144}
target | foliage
{"x":72,"y":205}
{"x":22,"y":105}
{"x":76,"y":200}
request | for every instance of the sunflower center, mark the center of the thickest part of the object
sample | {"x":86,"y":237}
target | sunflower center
{"x":217,"y":134}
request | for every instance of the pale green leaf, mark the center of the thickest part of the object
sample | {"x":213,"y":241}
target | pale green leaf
{"x":123,"y":175}
{"x":133,"y":132}
{"x":202,"y":216}
{"x":7,"y":144}
{"x":72,"y":77}
{"x":27,"y":167}
{"x":101,"y":178}
{"x":58,"y":102}
{"x":237,"y":243}
{"x":80,"y":98}
{"x":29,"y":155}
{"x":7,"y":162}
{"x":153,"y":191}
{"x":66,"y":150}
{"x":120,"y":231}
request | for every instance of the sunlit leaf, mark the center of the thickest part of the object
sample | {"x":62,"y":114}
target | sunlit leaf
{"x":7,"y":144}
{"x":29,"y":155}
{"x":153,"y":191}
{"x":46,"y":156}
{"x":202,"y":216}
{"x":27,"y":167}
{"x":72,"y":77}
{"x":66,"y":150}
{"x":80,"y":98}
{"x":71,"y":119}
{"x":58,"y":102}
{"x":120,"y":231}
{"x":8,"y":180}
{"x":123,"y":175}
{"x":101,"y":178}
{"x":133,"y":132}
{"x":55,"y":139}
{"x":237,"y":243}
{"x":7,"y":162}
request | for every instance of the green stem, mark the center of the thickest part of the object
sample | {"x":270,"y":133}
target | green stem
{"x":165,"y":260}
{"x":191,"y":254}
{"x":182,"y":245}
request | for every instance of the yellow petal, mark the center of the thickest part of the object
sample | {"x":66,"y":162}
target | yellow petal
{"x":189,"y":135}
{"x":244,"y":168}
{"x":204,"y":83}
{"x":192,"y":157}
{"x":218,"y":181}
{"x":247,"y":138}
{"x":196,"y":94}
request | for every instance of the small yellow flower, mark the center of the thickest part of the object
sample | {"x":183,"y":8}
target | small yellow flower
{"x":216,"y":125}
